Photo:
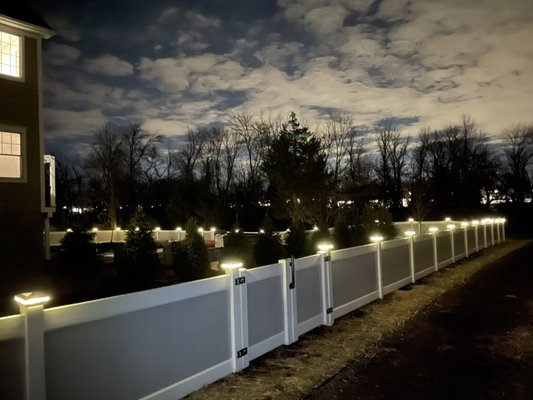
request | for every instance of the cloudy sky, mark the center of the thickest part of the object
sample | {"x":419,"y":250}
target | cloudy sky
{"x":179,"y":64}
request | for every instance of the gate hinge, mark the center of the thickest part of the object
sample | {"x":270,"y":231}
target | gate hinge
{"x":240,"y":280}
{"x":242,"y":352}
{"x":327,"y":258}
{"x":329,"y":310}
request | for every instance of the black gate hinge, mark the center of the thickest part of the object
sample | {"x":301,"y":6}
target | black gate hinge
{"x":327,"y":258}
{"x":329,"y":310}
{"x":242,"y":352}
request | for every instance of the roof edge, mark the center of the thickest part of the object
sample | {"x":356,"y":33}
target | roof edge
{"x":26,"y":26}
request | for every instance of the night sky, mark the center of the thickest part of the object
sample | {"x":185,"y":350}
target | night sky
{"x":178,"y":64}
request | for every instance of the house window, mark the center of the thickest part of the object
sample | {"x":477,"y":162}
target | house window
{"x":10,"y":54}
{"x":11,"y":166}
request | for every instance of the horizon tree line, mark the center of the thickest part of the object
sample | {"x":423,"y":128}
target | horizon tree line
{"x":252,"y":168}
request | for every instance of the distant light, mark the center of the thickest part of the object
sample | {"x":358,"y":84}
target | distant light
{"x":157,"y":228}
{"x":475,"y":222}
{"x":32,"y":298}
{"x":137,"y":229}
{"x":433,"y":229}
{"x":411,"y":220}
{"x":237,"y":230}
{"x":464,"y":224}
{"x":117,"y":228}
{"x":410,"y":233}
{"x":376,"y":221}
{"x":261,"y":231}
{"x":376,"y":238}
{"x":95,"y":229}
{"x":450,"y":226}
{"x":213,"y":229}
{"x":200,"y":230}
{"x":447,"y":219}
{"x":315,"y":228}
{"x":178,"y":228}
{"x":69,"y":230}
{"x":325,"y":246}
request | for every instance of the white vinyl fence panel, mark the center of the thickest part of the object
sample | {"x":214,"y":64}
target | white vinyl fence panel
{"x":167,"y":342}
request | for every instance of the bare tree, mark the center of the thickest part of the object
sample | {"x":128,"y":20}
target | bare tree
{"x":392,"y":152}
{"x":518,"y":151}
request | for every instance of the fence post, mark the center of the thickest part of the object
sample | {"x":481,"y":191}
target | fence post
{"x":498,"y":224}
{"x":327,"y":292}
{"x":411,"y":237}
{"x":379,"y":271}
{"x":239,"y":315}
{"x":433,"y":231}
{"x":503,"y":228}
{"x":476,"y":236}
{"x":451,"y":227}
{"x":31,"y":306}
{"x":288,"y":267}
{"x":492,"y":232}
{"x":485,"y":243}
{"x":464,"y":225}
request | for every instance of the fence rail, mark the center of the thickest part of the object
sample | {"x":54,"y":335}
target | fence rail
{"x":165,"y":343}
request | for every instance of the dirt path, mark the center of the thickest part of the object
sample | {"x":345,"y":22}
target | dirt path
{"x":475,"y":342}
{"x":294,"y":372}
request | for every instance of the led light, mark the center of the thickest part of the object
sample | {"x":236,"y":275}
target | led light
{"x":69,"y":230}
{"x":232,"y":265}
{"x":324,"y":246}
{"x":237,"y":230}
{"x":157,"y":229}
{"x":261,"y":231}
{"x":433,"y":229}
{"x":475,"y":222}
{"x":411,"y":220}
{"x":464,"y":224}
{"x":213,"y":229}
{"x":117,"y":228}
{"x":137,"y":229}
{"x":200,"y":230}
{"x":315,"y":228}
{"x":447,"y":219}
{"x":95,"y":229}
{"x":178,"y":228}
{"x":410,"y":233}
{"x":450,"y":226}
{"x":32,"y":298}
{"x":376,"y":238}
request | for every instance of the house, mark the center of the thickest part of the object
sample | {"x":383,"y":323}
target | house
{"x":23,"y":167}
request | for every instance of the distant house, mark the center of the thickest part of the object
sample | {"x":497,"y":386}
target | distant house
{"x":26,"y":202}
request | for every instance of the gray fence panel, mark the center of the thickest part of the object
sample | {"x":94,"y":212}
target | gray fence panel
{"x":309,"y":292}
{"x":353,"y":278}
{"x":444,"y":248}
{"x":459,"y":243}
{"x":423,"y":251}
{"x":395,"y":263}
{"x":265,"y":309}
{"x":135,"y":354}
{"x":12,"y":369}
{"x":471,"y":235}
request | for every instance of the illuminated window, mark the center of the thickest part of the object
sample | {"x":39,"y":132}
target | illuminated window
{"x":10,"y":155}
{"x":9,"y":54}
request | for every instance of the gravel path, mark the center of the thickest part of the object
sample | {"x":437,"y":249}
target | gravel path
{"x":296,"y":371}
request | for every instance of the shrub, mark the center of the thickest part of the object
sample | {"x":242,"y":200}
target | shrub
{"x":296,"y":241}
{"x":377,"y":220}
{"x":268,"y":248}
{"x":236,"y":246}
{"x":137,"y":259}
{"x":190,"y":257}
{"x":78,"y":249}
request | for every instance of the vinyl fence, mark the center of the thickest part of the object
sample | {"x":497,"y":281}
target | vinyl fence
{"x":167,"y":342}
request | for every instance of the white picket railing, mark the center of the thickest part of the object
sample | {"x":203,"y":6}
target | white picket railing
{"x":167,"y":342}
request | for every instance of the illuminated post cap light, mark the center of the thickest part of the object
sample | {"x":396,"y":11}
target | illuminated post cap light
{"x":69,"y":230}
{"x":178,"y":228}
{"x":315,"y":228}
{"x":433,"y":229}
{"x":410,"y":233}
{"x":323,"y":247}
{"x":411,"y":220}
{"x":475,"y":222}
{"x":232,"y":265}
{"x":32,"y":298}
{"x":464,"y":224}
{"x":261,"y":230}
{"x":200,"y":230}
{"x":447,"y":219}
{"x":95,"y":229}
{"x":376,"y":238}
{"x":137,"y":229}
{"x":450,"y":226}
{"x":118,"y":228}
{"x":213,"y":229}
{"x":157,"y":229}
{"x":237,"y":230}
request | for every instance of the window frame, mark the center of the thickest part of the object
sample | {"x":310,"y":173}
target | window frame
{"x":23,"y":154}
{"x":15,"y":32}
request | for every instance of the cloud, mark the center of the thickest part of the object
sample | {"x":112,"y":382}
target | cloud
{"x":108,"y":65}
{"x":61,"y":54}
